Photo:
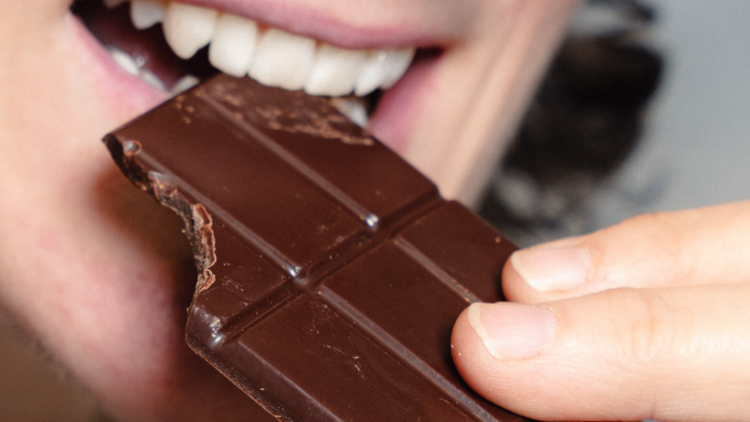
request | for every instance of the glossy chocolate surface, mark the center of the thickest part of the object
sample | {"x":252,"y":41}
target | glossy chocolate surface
{"x":331,"y":272}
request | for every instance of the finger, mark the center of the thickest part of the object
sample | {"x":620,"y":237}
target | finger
{"x":671,"y":354}
{"x":695,"y":247}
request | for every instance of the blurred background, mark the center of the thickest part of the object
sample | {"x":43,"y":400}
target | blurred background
{"x":692,"y":150}
{"x":695,"y":148}
{"x":694,"y":126}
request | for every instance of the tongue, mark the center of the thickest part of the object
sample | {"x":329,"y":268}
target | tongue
{"x":148,"y":47}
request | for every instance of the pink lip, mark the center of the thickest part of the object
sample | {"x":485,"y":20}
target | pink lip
{"x":400,"y":106}
{"x":124,"y":95}
{"x":128,"y":96}
{"x":319,"y":24}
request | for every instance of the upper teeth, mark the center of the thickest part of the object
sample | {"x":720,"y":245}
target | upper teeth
{"x":271,"y":56}
{"x":146,"y":14}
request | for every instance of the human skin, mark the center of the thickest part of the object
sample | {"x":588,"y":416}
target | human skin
{"x":643,"y":320}
{"x":99,"y":274}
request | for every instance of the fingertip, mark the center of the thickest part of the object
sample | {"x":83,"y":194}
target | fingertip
{"x":472,"y":359}
{"x":622,"y":354}
{"x":516,"y":289}
{"x":557,"y":270}
{"x":489,"y":344}
{"x":666,"y":249}
{"x":550,"y":362}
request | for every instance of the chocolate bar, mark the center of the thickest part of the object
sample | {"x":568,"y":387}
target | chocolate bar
{"x":330,"y":271}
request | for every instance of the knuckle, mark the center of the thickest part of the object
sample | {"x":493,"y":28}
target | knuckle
{"x":652,"y":332}
{"x":632,"y":252}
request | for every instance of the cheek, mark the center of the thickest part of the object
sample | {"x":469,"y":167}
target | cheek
{"x":41,"y":88}
{"x":58,"y":86}
{"x":22,"y":14}
{"x":493,"y":13}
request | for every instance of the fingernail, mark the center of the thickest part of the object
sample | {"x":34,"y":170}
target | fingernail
{"x":552,"y":269}
{"x":512,"y":331}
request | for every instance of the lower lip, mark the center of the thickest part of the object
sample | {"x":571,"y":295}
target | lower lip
{"x":126,"y":96}
{"x":399,"y":109}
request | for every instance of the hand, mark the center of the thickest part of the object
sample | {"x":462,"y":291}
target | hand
{"x":646,"y":319}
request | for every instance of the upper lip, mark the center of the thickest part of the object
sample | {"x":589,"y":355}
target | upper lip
{"x":316,"y":23}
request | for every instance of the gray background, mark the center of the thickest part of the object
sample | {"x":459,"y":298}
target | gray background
{"x":695,"y":151}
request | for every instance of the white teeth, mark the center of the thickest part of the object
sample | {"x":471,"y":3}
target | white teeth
{"x":273,"y":57}
{"x":399,"y":62}
{"x":352,"y":107}
{"x":152,"y":79}
{"x":133,"y":67}
{"x":283,"y":59}
{"x":111,"y":4}
{"x":187,"y":82}
{"x":146,"y":13}
{"x":372,"y":74}
{"x":124,"y":60}
{"x":375,"y":71}
{"x":335,"y":71}
{"x":188,"y":28}
{"x":233,"y":46}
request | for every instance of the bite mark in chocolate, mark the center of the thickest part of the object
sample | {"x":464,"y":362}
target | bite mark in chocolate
{"x":198,"y":228}
{"x":321,"y":121}
{"x":331,"y":271}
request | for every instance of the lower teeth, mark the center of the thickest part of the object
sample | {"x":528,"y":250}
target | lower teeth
{"x":352,"y":107}
{"x":187,"y":82}
{"x":133,"y":67}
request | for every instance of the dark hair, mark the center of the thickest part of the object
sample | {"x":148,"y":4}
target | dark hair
{"x":585,"y":120}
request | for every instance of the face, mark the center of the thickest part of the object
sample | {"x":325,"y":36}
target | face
{"x":446,"y":114}
{"x":84,"y":270}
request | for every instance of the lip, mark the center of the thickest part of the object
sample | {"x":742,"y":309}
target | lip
{"x":124,"y":96}
{"x":127,"y":96}
{"x":400,"y":106}
{"x":448,"y":116}
{"x":348,"y":29}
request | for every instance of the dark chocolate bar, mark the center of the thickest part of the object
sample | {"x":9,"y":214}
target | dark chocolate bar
{"x":330,"y":271}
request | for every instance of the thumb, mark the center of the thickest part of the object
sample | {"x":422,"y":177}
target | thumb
{"x":671,"y":354}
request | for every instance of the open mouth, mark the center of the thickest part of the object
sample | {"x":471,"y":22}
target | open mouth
{"x":172,"y":46}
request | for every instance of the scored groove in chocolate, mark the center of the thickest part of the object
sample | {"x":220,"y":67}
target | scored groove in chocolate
{"x":362,"y":212}
{"x":339,"y":270}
